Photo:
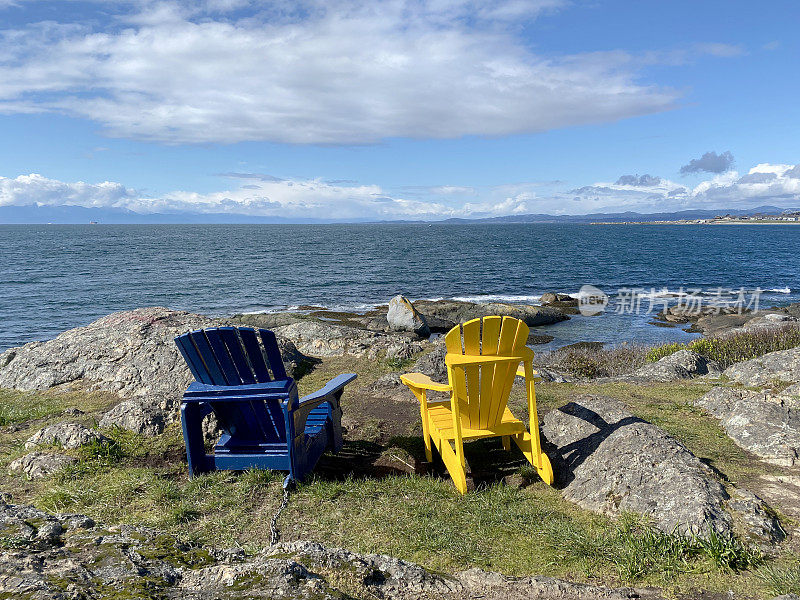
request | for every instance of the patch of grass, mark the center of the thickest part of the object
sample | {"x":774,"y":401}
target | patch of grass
{"x":779,"y":579}
{"x":18,"y":407}
{"x":399,"y":364}
{"x":731,"y":348}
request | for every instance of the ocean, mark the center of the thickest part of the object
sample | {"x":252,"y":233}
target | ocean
{"x":55,"y":277}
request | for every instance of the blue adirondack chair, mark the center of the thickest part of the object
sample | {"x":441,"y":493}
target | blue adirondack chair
{"x":241,"y":379}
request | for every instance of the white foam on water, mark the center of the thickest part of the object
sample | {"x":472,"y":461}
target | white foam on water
{"x":498,"y":298}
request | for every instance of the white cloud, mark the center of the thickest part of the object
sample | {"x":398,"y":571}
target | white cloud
{"x":266,"y":195}
{"x":316,"y":72}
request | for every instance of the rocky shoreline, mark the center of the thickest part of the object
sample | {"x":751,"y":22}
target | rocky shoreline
{"x":608,"y":459}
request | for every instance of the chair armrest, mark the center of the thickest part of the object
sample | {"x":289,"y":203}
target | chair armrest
{"x":328,"y":393}
{"x":521,"y":373}
{"x":330,"y":388}
{"x":423,"y":382}
{"x":458,"y":360}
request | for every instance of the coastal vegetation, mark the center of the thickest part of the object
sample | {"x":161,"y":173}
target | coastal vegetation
{"x":736,"y":346}
{"x":516,"y":526}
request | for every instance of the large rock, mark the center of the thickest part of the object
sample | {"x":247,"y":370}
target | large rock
{"x":780,"y":366}
{"x":453,"y":312}
{"x":146,"y":415}
{"x":402,"y":316}
{"x":768,"y":425}
{"x":53,"y":557}
{"x":41,"y":464}
{"x":66,"y":435}
{"x":131,"y":353}
{"x":683,"y":364}
{"x":610,"y":461}
{"x":324,"y":340}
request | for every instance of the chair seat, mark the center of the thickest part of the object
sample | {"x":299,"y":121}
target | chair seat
{"x":441,"y":417}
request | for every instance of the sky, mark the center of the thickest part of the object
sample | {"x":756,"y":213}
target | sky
{"x":392,"y":109}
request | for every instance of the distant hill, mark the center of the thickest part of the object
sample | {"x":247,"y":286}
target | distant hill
{"x":621,"y":216}
{"x":81,"y":215}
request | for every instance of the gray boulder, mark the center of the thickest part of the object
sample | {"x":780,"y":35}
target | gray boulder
{"x":610,"y":461}
{"x":683,"y":364}
{"x":66,"y":435}
{"x":131,"y":353}
{"x":780,"y":366}
{"x":40,"y":464}
{"x":402,"y":316}
{"x":326,"y":340}
{"x":146,"y":415}
{"x":768,"y":425}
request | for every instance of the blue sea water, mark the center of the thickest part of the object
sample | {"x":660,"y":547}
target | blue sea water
{"x":54,"y":277}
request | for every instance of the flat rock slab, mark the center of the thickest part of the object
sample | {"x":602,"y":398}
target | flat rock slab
{"x":452,"y":312}
{"x":766,"y":424}
{"x":610,"y":461}
{"x":41,"y":464}
{"x":50,"y":552}
{"x":780,"y":366}
{"x":66,"y":435}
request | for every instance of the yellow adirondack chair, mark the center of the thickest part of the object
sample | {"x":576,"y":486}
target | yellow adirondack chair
{"x":481,"y":365}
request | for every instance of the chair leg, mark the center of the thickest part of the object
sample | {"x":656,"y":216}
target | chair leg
{"x":535,"y":456}
{"x":506,"y":442}
{"x":192,"y":414}
{"x":454,"y":466}
{"x":426,"y":433}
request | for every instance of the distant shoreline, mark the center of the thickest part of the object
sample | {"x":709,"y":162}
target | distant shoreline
{"x":696,"y":223}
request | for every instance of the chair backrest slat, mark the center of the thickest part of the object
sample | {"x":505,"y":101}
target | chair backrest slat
{"x":231,"y":338}
{"x":220,"y":350}
{"x":254,"y":353}
{"x":192,"y":358}
{"x":482,"y":391}
{"x":198,"y":338}
{"x":273,"y":353}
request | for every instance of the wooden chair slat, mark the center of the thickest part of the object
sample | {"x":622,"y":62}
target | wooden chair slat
{"x":193,"y":360}
{"x":234,"y":345}
{"x":220,"y":349}
{"x":254,"y":353}
{"x":273,"y":354}
{"x":198,"y":338}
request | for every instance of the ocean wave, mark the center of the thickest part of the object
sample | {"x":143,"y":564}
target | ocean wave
{"x":498,"y":298}
{"x":784,"y":290}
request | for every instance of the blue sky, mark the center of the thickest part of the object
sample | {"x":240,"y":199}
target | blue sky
{"x":398,"y":109}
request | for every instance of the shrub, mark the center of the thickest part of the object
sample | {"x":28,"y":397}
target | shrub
{"x":734,"y":347}
{"x":659,"y":352}
{"x":589,"y":362}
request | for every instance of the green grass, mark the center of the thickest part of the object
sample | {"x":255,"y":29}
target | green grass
{"x":780,"y":579}
{"x":18,"y":407}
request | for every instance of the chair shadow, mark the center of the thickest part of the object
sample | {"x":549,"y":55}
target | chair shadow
{"x":566,"y":459}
